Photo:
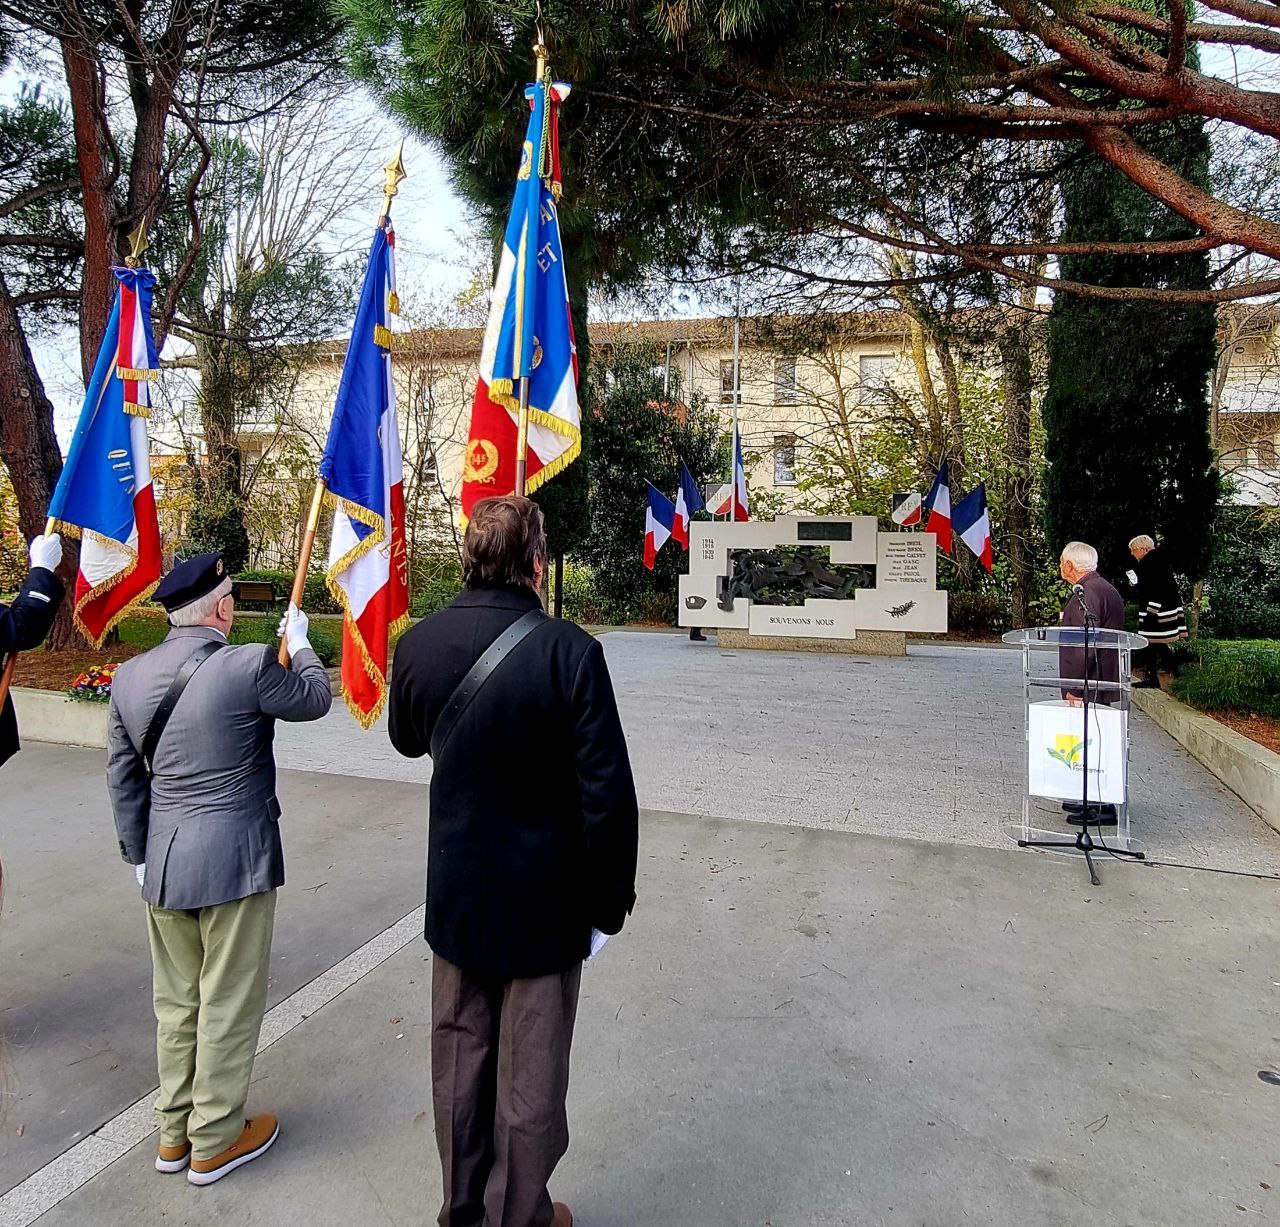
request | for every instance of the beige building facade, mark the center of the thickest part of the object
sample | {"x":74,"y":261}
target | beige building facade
{"x":834,"y":382}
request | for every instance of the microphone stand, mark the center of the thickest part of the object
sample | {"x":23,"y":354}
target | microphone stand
{"x":1083,"y":841}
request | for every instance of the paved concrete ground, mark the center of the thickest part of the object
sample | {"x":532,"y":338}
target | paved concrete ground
{"x":801,"y":1026}
{"x":75,"y":1008}
{"x":930,"y":747}
{"x":804,"y":1028}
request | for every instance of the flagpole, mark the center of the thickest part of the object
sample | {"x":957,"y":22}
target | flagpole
{"x":393,"y":173}
{"x":522,"y":424}
{"x":735,"y":443}
{"x":304,"y":559}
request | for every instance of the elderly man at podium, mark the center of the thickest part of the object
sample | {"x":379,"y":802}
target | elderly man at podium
{"x":1092,"y":597}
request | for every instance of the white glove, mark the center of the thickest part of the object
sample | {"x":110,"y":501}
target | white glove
{"x":140,"y":872}
{"x":293,"y":629}
{"x":46,"y":551}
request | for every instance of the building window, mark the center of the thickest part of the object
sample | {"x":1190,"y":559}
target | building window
{"x":726,"y":381}
{"x":784,"y":381}
{"x":875,"y":373}
{"x":784,"y":460}
{"x":1266,"y":454}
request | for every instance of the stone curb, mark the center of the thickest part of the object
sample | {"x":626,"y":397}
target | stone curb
{"x":48,"y":715}
{"x":1251,"y":771}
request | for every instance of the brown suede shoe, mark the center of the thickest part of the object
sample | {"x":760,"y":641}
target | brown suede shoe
{"x":560,"y":1216}
{"x":258,"y":1136}
{"x":173,"y":1158}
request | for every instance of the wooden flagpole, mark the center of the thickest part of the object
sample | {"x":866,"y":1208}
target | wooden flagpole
{"x":304,"y":558}
{"x":393,"y":174}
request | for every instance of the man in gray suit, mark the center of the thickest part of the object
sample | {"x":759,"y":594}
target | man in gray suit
{"x":197,"y":815}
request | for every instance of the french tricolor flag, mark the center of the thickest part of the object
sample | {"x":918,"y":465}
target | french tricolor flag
{"x":364,"y":477}
{"x":659,"y":520}
{"x":739,"y":479}
{"x":688,"y":501}
{"x":104,"y":495}
{"x":973,"y":523}
{"x":938,"y":505}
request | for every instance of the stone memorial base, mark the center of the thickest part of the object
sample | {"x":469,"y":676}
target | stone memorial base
{"x":866,"y":643}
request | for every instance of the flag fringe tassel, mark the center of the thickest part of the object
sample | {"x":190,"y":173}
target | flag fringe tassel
{"x":334,"y":502}
{"x":76,"y":532}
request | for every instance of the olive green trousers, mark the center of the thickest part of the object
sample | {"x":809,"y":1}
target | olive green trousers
{"x":209,"y":987}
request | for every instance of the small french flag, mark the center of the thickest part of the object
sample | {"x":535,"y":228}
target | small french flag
{"x":659,"y":520}
{"x":739,"y":480}
{"x":973,"y":524}
{"x":688,"y":501}
{"x":938,"y":505}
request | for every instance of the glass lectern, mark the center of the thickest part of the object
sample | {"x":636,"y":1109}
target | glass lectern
{"x":1065,"y":761}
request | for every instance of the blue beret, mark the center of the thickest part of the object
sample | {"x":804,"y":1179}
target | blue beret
{"x":191,"y":580}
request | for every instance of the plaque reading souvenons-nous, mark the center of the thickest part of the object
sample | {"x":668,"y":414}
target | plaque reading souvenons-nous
{"x":905,"y":558}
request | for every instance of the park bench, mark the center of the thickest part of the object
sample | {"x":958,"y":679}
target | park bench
{"x":256,"y":592}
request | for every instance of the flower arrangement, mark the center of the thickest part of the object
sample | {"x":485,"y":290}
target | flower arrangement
{"x":94,"y":684}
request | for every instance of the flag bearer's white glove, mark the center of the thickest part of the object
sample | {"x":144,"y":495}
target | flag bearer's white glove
{"x":46,"y":551}
{"x":140,"y":872}
{"x":293,"y":629}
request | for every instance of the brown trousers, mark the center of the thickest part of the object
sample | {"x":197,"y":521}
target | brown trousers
{"x":499,"y":1078}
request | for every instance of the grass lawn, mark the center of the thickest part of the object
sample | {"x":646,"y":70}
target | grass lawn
{"x":1236,"y":681}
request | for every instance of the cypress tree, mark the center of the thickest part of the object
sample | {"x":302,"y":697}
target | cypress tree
{"x":1126,"y":411}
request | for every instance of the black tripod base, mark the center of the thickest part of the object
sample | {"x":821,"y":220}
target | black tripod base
{"x":1083,"y":842}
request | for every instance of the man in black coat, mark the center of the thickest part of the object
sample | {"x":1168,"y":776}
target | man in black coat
{"x":532,"y":846}
{"x":27,"y":621}
{"x":1160,"y":615}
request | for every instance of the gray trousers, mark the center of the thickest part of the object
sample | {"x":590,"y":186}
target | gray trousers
{"x":499,"y":1078}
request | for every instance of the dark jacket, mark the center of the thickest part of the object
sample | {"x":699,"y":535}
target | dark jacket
{"x":534,"y":824}
{"x":23,"y":625}
{"x":1160,"y":615}
{"x":1107,"y":607}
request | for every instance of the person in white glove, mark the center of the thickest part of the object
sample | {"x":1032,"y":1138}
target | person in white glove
{"x":293,"y":630}
{"x":26,"y":622}
{"x":140,"y":872}
{"x":46,"y":551}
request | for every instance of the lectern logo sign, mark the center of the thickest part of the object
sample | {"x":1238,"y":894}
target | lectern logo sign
{"x":1066,"y":748}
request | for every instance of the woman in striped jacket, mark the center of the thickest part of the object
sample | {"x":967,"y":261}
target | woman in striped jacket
{"x":1160,"y":614}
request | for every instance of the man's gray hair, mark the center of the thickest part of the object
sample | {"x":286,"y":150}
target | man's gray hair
{"x":201,"y":610}
{"x":1081,"y":556}
{"x":1142,"y":542}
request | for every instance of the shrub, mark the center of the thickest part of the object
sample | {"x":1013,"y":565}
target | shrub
{"x":976,"y":613}
{"x":1237,"y":675}
{"x":263,"y":630}
{"x":1242,"y":587}
{"x":435,"y":581}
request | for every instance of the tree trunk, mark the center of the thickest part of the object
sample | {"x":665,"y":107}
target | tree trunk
{"x":98,"y":171}
{"x":29,"y":449}
{"x":1015,"y":362}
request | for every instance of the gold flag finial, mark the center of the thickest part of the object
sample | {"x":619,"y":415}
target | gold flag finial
{"x":393,"y":173}
{"x":137,"y":245}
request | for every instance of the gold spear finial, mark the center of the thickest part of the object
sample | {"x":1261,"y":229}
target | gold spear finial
{"x":393,"y":173}
{"x":137,"y":245}
{"x":541,"y":54}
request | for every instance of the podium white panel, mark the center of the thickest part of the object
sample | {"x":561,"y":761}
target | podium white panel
{"x":1055,"y":751}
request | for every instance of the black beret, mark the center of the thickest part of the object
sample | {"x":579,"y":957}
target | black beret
{"x":191,"y":580}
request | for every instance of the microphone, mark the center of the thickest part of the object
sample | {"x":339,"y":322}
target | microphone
{"x":1077,"y":590}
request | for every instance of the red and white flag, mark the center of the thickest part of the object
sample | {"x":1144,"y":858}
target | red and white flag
{"x":938,"y":506}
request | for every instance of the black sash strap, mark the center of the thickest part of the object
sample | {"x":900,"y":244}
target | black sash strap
{"x":171,"y":696}
{"x":481,"y":672}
